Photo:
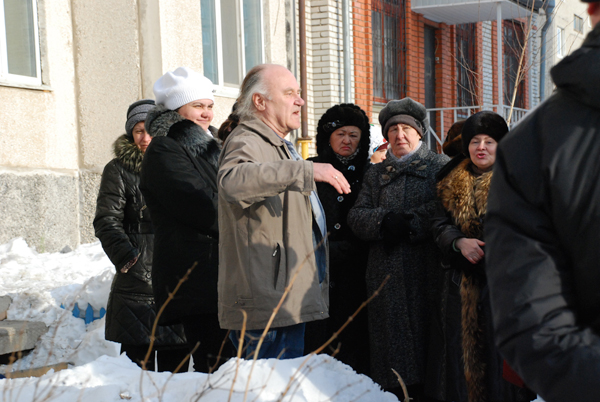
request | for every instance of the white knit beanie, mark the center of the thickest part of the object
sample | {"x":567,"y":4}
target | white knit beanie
{"x":177,"y":88}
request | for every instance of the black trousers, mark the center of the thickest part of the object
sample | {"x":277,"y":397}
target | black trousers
{"x":168,"y":359}
{"x":205,"y":330}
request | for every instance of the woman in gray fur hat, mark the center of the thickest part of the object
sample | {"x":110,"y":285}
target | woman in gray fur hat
{"x":122,"y":223}
{"x":392,"y":213}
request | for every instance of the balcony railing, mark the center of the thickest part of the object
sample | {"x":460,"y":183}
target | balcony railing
{"x":447,"y":116}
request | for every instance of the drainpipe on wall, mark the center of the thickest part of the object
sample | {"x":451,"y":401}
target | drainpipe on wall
{"x":499,"y":73}
{"x":346,"y":27}
{"x":304,"y":140}
{"x":549,"y":9}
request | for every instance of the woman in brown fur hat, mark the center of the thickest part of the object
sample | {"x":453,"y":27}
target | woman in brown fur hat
{"x":468,"y":367}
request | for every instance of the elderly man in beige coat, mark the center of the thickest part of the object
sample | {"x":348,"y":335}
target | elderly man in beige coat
{"x":271,"y":223}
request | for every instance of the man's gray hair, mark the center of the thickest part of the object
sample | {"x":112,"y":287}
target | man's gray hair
{"x":253,"y":83}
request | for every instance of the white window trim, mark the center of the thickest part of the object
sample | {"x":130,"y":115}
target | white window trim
{"x":13,"y":79}
{"x":220,"y":88}
{"x":560,"y":33}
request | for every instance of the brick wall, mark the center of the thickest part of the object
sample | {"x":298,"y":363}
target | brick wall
{"x":363,"y":55}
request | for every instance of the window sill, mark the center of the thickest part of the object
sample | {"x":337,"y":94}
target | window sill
{"x":227,"y":92}
{"x":42,"y":87}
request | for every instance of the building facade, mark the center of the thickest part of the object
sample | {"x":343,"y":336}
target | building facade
{"x":68,"y":71}
{"x":70,"y":68}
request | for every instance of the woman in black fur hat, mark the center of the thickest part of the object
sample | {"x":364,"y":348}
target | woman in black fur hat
{"x":467,"y":366}
{"x":122,"y":223}
{"x":343,"y":141}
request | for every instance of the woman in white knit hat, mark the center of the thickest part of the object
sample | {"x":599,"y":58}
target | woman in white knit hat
{"x":179,"y":182}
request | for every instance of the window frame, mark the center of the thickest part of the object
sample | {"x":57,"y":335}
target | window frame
{"x":577,"y":24}
{"x":14,"y":79}
{"x":220,"y":87}
{"x":512,"y":44}
{"x":560,"y":33}
{"x":384,"y":87}
{"x":466,"y":66}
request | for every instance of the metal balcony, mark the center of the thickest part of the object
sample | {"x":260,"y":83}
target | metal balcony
{"x":453,"y":12}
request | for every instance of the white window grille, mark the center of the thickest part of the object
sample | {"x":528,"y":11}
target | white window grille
{"x":19,"y":43}
{"x":232,"y":40}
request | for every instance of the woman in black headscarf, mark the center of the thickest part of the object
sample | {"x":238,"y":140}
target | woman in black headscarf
{"x":343,"y":141}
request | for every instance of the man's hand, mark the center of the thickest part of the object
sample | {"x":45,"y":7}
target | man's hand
{"x":324,"y":172}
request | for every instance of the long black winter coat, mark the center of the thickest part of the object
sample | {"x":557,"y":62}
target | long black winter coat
{"x":462,"y":336}
{"x":179,"y":181}
{"x":122,"y":223}
{"x":399,"y":317}
{"x":543,"y":236}
{"x":347,"y":267}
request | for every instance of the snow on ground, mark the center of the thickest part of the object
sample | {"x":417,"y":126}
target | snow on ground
{"x":39,"y":283}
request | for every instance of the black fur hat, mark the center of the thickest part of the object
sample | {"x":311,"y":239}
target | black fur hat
{"x":485,"y":122}
{"x":345,"y":114}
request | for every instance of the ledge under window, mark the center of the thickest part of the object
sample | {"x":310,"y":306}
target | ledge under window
{"x":41,"y":87}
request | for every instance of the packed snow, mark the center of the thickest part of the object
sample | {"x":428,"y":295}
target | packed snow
{"x":39,"y":283}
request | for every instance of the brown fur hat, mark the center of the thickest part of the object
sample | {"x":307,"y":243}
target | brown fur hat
{"x":453,"y":143}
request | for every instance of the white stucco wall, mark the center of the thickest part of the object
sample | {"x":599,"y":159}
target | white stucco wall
{"x":38,"y":127}
{"x":97,"y":58}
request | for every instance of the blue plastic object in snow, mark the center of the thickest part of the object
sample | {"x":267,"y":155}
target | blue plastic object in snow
{"x":88,"y":313}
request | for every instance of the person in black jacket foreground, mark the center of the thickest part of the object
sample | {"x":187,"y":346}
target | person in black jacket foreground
{"x":122,"y":223}
{"x":543,"y":235}
{"x":464,"y":364}
{"x":343,"y":141}
{"x":179,"y":181}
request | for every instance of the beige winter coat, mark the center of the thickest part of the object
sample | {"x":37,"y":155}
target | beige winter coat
{"x":265,"y":227}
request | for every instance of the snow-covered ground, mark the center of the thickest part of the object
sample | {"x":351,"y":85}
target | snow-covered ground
{"x":39,"y":283}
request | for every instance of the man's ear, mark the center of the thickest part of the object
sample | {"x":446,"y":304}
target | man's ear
{"x":259,"y":102}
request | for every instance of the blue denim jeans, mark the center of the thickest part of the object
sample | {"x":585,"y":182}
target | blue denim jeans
{"x":282,"y":343}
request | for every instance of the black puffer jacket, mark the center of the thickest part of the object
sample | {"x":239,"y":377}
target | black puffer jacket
{"x":179,"y":181}
{"x":122,"y":223}
{"x":542,"y":231}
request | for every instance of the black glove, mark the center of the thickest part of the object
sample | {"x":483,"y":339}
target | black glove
{"x":394,"y":229}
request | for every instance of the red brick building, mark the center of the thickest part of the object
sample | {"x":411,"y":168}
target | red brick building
{"x":444,"y":56}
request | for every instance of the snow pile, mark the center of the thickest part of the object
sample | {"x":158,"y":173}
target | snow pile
{"x":310,"y":379}
{"x":39,"y":283}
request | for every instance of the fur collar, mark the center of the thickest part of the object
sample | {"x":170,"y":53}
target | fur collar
{"x":191,"y":137}
{"x":464,"y":195}
{"x":128,"y":153}
{"x":162,"y":122}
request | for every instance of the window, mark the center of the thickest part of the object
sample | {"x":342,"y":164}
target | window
{"x":19,"y":43}
{"x":560,"y":34}
{"x":389,"y":49}
{"x":232,"y":39}
{"x":514,"y":46}
{"x":578,"y":24}
{"x":466,"y":66}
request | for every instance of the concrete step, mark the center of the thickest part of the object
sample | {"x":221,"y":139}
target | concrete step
{"x":4,"y":305}
{"x":36,"y":372}
{"x":16,"y":336}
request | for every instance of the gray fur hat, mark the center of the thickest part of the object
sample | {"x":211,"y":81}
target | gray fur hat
{"x":137,"y":112}
{"x":405,"y":111}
